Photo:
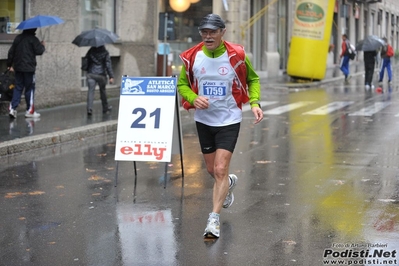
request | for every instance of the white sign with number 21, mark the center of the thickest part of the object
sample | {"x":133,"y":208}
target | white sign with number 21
{"x":145,"y":119}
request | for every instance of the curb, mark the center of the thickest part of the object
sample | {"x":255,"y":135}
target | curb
{"x":314,"y":84}
{"x":56,"y":138}
{"x":291,"y":85}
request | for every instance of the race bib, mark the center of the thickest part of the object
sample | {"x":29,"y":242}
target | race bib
{"x":215,"y":90}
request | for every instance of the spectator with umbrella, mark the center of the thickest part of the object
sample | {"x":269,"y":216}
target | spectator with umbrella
{"x":98,"y":64}
{"x":22,"y":59}
{"x":369,"y":66}
{"x":369,"y":46}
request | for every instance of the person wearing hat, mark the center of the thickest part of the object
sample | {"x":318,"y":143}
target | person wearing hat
{"x":216,"y":79}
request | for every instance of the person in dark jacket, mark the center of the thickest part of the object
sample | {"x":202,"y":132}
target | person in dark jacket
{"x":100,"y":65}
{"x":369,"y":65}
{"x":22,"y":59}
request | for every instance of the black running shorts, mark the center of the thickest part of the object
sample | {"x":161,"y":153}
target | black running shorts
{"x":213,"y":138}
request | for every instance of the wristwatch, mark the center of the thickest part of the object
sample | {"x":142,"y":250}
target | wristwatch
{"x":255,"y":102}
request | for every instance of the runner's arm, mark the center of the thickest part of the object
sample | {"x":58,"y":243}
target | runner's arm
{"x":253,"y":82}
{"x":183,"y":86}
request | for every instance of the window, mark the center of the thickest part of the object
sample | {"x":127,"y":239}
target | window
{"x":97,"y":13}
{"x":186,"y":28}
{"x":11,"y":13}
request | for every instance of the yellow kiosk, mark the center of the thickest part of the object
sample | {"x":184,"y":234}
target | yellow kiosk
{"x":310,"y":39}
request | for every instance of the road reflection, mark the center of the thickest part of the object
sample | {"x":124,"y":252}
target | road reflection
{"x":336,"y":194}
{"x":146,"y":236}
{"x":331,"y":194}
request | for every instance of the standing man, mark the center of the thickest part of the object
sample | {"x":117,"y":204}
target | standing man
{"x":369,"y":65}
{"x":345,"y":57}
{"x":216,"y":79}
{"x":22,"y":60}
{"x":386,"y":54}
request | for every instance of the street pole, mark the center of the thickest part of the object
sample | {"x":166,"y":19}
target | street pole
{"x":165,"y":37}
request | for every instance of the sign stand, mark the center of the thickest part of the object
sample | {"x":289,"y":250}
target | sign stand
{"x":180,"y":137}
{"x":145,"y":133}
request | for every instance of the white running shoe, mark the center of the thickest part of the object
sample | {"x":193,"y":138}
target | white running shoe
{"x":30,"y":115}
{"x":13,"y":113}
{"x":230,"y":196}
{"x":212,"y":229}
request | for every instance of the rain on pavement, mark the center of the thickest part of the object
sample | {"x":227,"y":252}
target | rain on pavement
{"x":318,"y":183}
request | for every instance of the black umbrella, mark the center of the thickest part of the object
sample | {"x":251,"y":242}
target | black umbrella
{"x":95,"y":38}
{"x":370,"y":43}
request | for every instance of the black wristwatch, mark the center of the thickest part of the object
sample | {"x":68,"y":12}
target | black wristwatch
{"x":255,"y":102}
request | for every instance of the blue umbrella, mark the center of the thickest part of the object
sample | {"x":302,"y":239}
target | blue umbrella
{"x":39,"y":21}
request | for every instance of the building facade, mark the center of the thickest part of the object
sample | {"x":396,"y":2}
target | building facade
{"x":264,"y":27}
{"x":59,"y":79}
{"x":358,"y":19}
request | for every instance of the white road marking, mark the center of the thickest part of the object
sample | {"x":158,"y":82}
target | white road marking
{"x":370,"y":110}
{"x":286,"y":108}
{"x":329,"y":108}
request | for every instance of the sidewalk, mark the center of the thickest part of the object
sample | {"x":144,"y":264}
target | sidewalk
{"x":55,"y":126}
{"x":333,"y":74}
{"x":63,"y":124}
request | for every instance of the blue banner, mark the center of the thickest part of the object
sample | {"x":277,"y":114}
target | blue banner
{"x":159,"y":86}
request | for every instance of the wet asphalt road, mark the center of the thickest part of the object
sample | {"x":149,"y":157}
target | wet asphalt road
{"x":318,"y":182}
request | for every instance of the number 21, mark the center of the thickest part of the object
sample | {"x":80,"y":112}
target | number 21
{"x":143,"y":113}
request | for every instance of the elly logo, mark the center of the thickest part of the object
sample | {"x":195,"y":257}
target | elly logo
{"x":146,"y":150}
{"x":223,"y":71}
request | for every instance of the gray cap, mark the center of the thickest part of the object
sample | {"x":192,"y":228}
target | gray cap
{"x":212,"y":21}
